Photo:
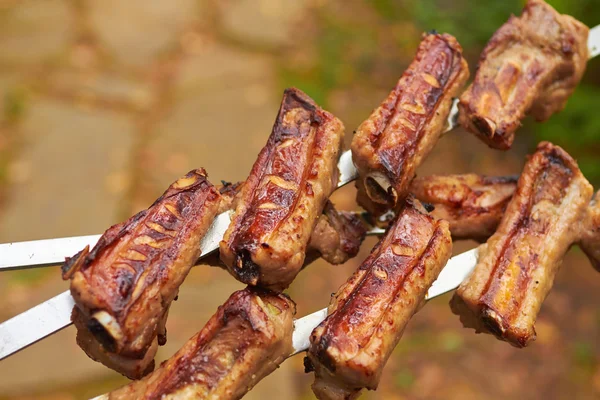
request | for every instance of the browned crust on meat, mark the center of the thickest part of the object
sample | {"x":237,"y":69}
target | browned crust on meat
{"x":337,"y":235}
{"x":369,"y":312}
{"x":531,"y":65}
{"x":472,"y":204}
{"x":516,"y":267}
{"x":132,"y":368}
{"x":123,"y":287}
{"x":590,"y":238}
{"x":389,"y":146}
{"x":247,"y":339}
{"x":286,"y":191}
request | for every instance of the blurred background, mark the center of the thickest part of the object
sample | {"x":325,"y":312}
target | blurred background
{"x":104,"y":103}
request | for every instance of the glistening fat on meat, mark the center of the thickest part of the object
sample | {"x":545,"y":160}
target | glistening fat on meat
{"x":388,"y":147}
{"x":284,"y":195}
{"x":517,"y":265}
{"x":124,"y":286}
{"x":367,"y":315}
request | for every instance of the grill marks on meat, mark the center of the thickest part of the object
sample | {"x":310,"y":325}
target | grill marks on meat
{"x":369,"y":312}
{"x":531,"y":65}
{"x":337,"y":235}
{"x":517,"y":266}
{"x":247,"y":339}
{"x":286,"y":191}
{"x":389,"y":146}
{"x":123,"y":287}
{"x":472,"y":204}
{"x":590,"y":238}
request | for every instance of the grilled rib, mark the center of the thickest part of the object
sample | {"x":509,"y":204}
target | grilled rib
{"x":590,"y":238}
{"x":133,"y":368}
{"x":246,"y":340}
{"x":517,"y":265}
{"x":124,"y":286}
{"x":367,"y":315}
{"x":337,"y":235}
{"x":389,"y":146}
{"x":472,"y":204}
{"x":531,"y":65}
{"x":286,"y":191}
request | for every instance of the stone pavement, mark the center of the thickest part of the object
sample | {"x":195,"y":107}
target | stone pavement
{"x":104,"y":104}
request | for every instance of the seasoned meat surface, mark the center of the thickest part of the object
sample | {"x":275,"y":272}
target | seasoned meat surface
{"x":123,"y":287}
{"x":389,"y":146}
{"x":472,"y":204}
{"x":337,"y":235}
{"x":531,"y":65}
{"x":368,"y":314}
{"x":285,"y":193}
{"x":517,"y":265}
{"x":590,"y":238}
{"x":246,"y":340}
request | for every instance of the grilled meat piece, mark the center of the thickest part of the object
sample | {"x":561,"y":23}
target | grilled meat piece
{"x":531,"y":65}
{"x":123,"y":287}
{"x":472,"y":204}
{"x":337,"y":235}
{"x":229,"y":192}
{"x":336,"y":238}
{"x":518,"y":263}
{"x":369,"y":312}
{"x":286,"y":191}
{"x":388,"y":147}
{"x":246,"y":340}
{"x":590,"y":238}
{"x":133,"y":368}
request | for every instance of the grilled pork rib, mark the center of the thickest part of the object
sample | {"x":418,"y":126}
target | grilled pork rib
{"x":337,"y":235}
{"x":531,"y":65}
{"x":472,"y":204}
{"x":286,"y":191}
{"x":517,"y":265}
{"x":124,"y":286}
{"x":246,"y":340}
{"x":369,"y":312}
{"x":133,"y":368}
{"x":389,"y":146}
